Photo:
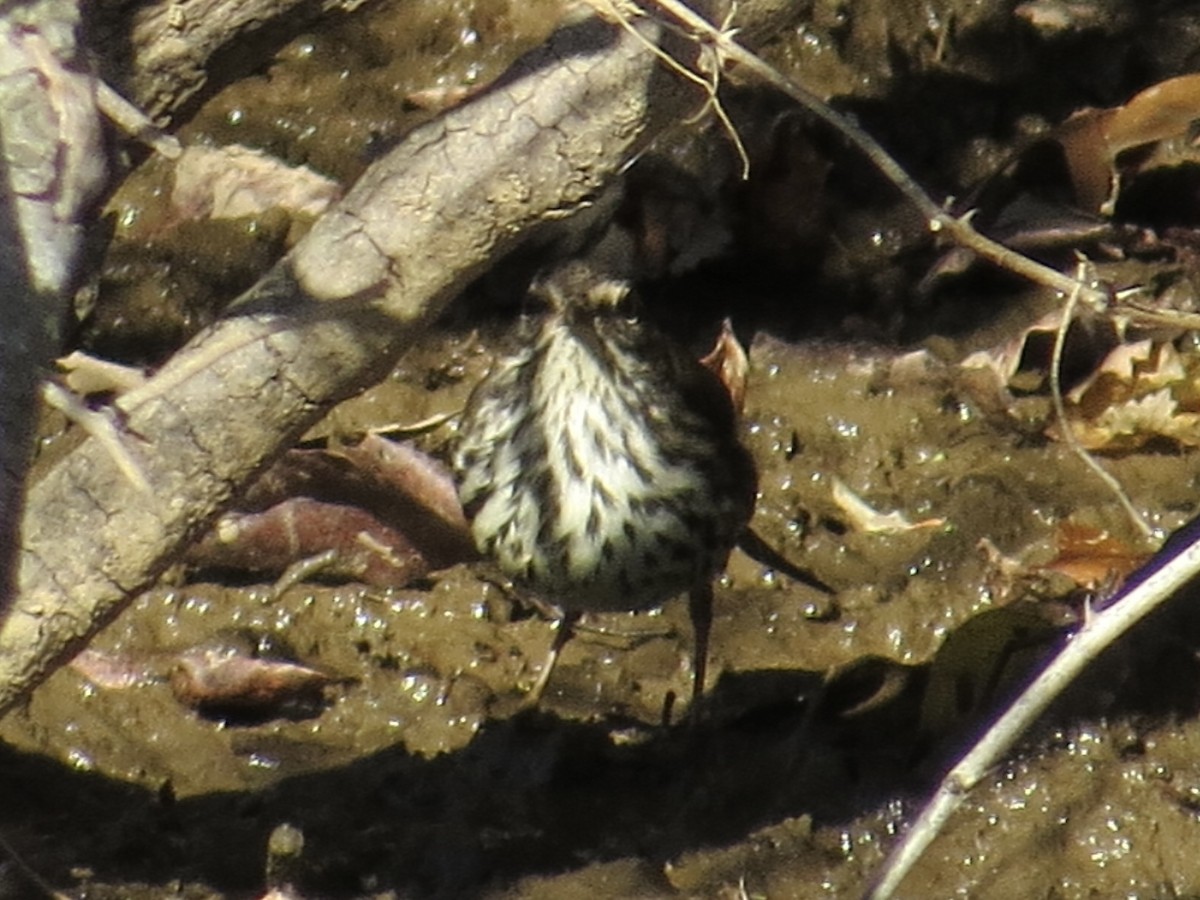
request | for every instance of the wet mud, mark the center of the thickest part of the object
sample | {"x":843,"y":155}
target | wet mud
{"x":420,"y":768}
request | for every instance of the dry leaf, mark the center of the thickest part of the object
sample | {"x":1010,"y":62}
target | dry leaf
{"x":388,"y":512}
{"x":229,"y":677}
{"x":865,"y":518}
{"x":422,"y":500}
{"x":365,"y":549}
{"x":1135,"y":421}
{"x":1140,"y":392}
{"x":1092,"y":558}
{"x":443,"y":96}
{"x":113,"y":671}
{"x":729,"y":361}
{"x":1161,"y":111}
{"x":234,"y":181}
{"x":1093,"y":139}
{"x":1121,"y":364}
{"x":227,"y":674}
{"x":1005,"y":360}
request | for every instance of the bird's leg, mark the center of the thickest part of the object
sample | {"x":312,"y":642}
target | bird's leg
{"x":700,"y":604}
{"x":563,"y":632}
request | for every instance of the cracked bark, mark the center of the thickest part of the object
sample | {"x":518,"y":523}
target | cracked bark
{"x":51,"y":165}
{"x":166,"y":46}
{"x":328,"y":320}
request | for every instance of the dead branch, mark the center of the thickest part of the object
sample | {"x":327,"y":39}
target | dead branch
{"x":169,"y":44}
{"x":329,"y":319}
{"x":51,"y":166}
{"x":1068,"y":432}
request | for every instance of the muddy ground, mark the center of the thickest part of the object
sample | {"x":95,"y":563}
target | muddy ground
{"x":424,"y":771}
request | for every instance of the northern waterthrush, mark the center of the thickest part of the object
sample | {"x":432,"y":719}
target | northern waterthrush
{"x":600,"y":464}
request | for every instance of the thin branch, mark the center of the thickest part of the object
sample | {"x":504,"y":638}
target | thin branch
{"x":130,"y":119}
{"x":609,"y":11}
{"x":100,"y":426}
{"x":1169,"y":572}
{"x":938,"y":220}
{"x":1064,"y":424}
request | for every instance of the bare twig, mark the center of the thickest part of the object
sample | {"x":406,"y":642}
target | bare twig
{"x":610,"y":11}
{"x":1162,"y":578}
{"x":135,"y":123}
{"x":1068,"y":433}
{"x":102,"y":428}
{"x":958,"y":229}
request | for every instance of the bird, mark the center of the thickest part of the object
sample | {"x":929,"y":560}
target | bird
{"x":599,"y":464}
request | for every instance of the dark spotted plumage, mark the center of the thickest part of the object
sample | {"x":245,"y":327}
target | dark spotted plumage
{"x":600,"y":464}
